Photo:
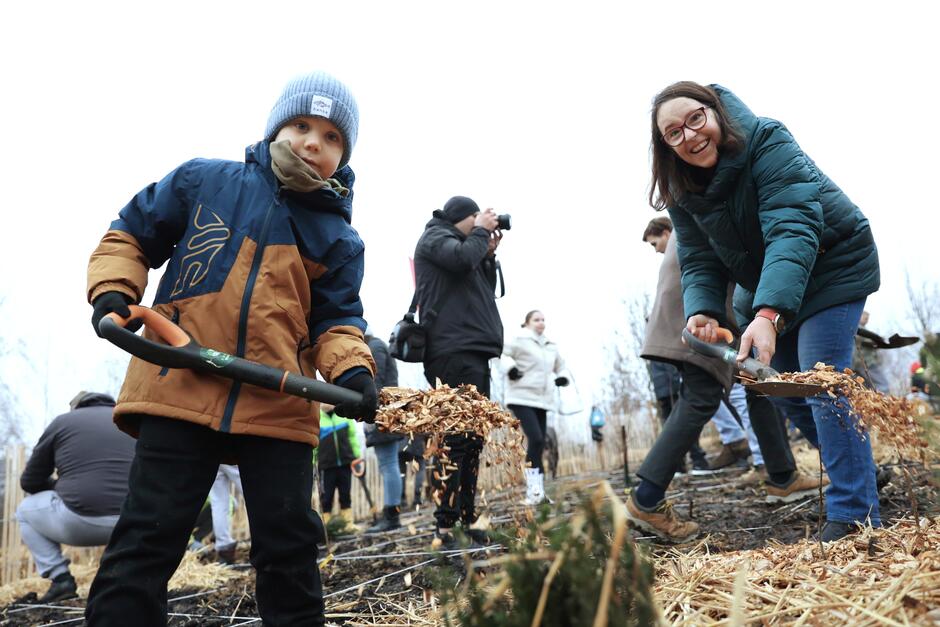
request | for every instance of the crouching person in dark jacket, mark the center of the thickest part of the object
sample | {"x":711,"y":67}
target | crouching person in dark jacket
{"x":455,"y":272}
{"x":79,"y":508}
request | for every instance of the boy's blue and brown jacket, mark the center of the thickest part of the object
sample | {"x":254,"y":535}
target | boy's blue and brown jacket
{"x":254,"y":270}
{"x":339,"y":442}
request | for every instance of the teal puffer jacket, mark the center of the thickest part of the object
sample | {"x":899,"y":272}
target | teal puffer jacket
{"x":773,"y":223}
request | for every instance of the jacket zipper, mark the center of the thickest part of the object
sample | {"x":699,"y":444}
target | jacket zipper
{"x":226,"y":424}
{"x":176,"y":320}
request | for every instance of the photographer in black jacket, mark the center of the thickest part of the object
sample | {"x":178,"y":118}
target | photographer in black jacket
{"x":455,"y":273}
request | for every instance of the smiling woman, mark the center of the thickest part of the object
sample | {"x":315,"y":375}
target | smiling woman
{"x":748,"y":204}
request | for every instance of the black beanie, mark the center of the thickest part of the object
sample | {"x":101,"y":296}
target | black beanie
{"x":457,"y":208}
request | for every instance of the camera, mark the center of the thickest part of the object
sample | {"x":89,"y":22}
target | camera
{"x":504,"y":222}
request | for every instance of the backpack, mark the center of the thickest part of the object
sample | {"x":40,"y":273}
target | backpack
{"x":409,"y":339}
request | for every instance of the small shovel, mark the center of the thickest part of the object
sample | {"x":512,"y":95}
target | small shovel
{"x":766,"y":379}
{"x":182,"y":351}
{"x":873,"y":340}
{"x":358,"y":468}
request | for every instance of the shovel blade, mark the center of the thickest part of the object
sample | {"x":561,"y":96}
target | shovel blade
{"x":898,"y":341}
{"x":785,"y":389}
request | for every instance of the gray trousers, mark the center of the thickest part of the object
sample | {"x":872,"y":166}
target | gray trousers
{"x":220,"y":500}
{"x":46,"y":523}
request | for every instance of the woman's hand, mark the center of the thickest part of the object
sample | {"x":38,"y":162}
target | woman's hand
{"x":762,"y":335}
{"x":704,"y":328}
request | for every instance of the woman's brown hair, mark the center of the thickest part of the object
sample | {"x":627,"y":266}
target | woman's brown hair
{"x":528,"y":317}
{"x":673,"y":177}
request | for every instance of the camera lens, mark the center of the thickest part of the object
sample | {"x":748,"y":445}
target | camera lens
{"x":504,"y":222}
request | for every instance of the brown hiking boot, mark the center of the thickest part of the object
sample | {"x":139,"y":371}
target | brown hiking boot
{"x":730,"y":453}
{"x":753,"y":476}
{"x":661,"y":521}
{"x":799,"y":487}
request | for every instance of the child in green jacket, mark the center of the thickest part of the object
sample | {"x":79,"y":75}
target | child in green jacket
{"x":339,"y":448}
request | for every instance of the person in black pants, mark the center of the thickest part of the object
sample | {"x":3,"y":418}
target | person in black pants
{"x":455,"y":276}
{"x":458,"y":491}
{"x":175,"y":464}
{"x":666,"y":381}
{"x":534,"y":368}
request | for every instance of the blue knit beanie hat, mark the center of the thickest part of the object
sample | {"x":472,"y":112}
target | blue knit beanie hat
{"x":322,"y":95}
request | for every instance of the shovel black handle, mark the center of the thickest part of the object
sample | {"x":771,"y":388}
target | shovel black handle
{"x":182,"y":351}
{"x":729,"y":354}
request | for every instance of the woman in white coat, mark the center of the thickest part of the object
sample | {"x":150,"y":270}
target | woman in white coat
{"x":534,"y":368}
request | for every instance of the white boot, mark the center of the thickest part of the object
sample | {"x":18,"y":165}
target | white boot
{"x":532,"y":494}
{"x":543,"y":495}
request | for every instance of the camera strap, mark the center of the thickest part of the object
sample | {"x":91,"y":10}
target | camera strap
{"x":432,"y":312}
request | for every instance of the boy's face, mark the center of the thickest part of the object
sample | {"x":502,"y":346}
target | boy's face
{"x":316,"y":140}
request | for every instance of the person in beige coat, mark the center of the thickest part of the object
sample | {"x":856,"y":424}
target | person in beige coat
{"x":534,"y":368}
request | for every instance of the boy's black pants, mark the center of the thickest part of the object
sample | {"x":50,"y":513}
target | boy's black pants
{"x":460,"y":488}
{"x":173,"y":469}
{"x":331,"y":480}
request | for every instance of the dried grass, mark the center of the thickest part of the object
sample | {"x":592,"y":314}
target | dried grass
{"x":878,"y":577}
{"x":191,"y":574}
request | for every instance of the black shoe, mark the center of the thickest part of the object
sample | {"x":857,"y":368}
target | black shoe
{"x":883,"y":477}
{"x":833,"y":530}
{"x":701,"y":467}
{"x":226,"y":556}
{"x":478,"y":538}
{"x":444,"y":541}
{"x":389,"y":520}
{"x":63,"y":587}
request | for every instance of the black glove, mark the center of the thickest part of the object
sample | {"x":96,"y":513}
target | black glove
{"x":515,"y":374}
{"x":116,"y":302}
{"x":365,"y":410}
{"x":561,"y":381}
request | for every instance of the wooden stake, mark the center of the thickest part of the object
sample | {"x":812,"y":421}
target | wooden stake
{"x":819,"y":510}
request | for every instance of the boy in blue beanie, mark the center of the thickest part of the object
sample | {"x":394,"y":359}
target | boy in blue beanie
{"x":263,"y":263}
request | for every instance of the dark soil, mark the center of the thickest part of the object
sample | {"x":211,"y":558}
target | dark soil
{"x":733,"y":517}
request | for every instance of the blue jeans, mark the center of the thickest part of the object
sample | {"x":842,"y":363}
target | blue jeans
{"x":829,"y":337}
{"x":387,"y":455}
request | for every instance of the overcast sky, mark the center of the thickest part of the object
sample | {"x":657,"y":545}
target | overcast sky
{"x":539,"y":109}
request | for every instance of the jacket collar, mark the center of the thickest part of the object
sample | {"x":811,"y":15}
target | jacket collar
{"x":729,"y":166}
{"x":321,"y":200}
{"x":532,"y":335}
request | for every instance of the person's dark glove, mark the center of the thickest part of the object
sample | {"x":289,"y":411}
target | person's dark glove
{"x":561,"y":381}
{"x":515,"y":374}
{"x":364,"y":410}
{"x":116,"y":302}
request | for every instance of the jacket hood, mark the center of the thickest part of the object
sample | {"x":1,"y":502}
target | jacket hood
{"x":91,"y":399}
{"x":446,"y":224}
{"x":320,"y":200}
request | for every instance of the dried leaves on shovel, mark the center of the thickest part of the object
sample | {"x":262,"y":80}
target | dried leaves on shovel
{"x":891,"y":418}
{"x":443,"y":410}
{"x":446,"y":411}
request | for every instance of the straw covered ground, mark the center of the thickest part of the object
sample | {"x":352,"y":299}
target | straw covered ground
{"x":754,"y":563}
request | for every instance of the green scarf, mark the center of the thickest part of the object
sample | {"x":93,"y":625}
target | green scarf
{"x":296,"y":175}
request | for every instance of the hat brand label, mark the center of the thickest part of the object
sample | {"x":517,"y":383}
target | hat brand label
{"x":321,"y":105}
